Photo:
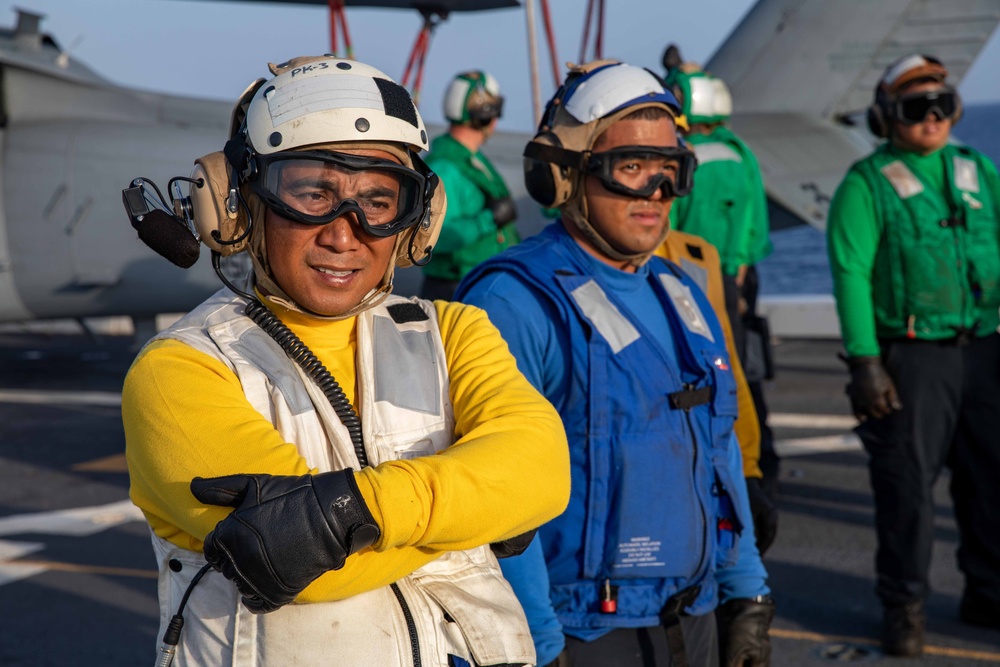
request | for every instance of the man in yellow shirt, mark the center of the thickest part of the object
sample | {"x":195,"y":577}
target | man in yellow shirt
{"x":353,"y":536}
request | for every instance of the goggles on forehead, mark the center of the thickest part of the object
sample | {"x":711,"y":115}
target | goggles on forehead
{"x":317,"y":187}
{"x":914,"y":108}
{"x":639,"y":171}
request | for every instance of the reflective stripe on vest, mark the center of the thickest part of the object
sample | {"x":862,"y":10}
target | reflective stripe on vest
{"x":605,"y":316}
{"x":714,"y":152}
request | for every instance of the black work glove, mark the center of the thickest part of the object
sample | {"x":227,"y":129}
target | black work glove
{"x":503,"y":210}
{"x":284,"y":532}
{"x":743,"y":624}
{"x":871,"y":389}
{"x":515,"y":546}
{"x":765,"y":515}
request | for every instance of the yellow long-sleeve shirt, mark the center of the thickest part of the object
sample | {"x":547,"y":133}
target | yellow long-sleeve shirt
{"x":699,"y":251}
{"x":185,"y":415}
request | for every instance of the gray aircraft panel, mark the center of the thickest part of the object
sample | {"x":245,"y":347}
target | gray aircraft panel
{"x":802,"y":159}
{"x":824,"y":57}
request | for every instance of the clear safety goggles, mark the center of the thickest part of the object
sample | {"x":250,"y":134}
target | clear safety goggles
{"x":317,"y":187}
{"x":913,"y":109}
{"x":639,"y":171}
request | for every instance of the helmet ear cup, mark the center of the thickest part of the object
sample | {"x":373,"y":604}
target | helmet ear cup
{"x":416,"y":245}
{"x":877,"y":123}
{"x":212,"y":218}
{"x":879,"y":115}
{"x":548,"y":184}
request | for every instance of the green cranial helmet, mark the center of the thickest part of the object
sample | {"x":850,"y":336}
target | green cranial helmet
{"x":704,"y":98}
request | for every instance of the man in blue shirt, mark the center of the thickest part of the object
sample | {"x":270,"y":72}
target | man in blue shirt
{"x":654,"y":562}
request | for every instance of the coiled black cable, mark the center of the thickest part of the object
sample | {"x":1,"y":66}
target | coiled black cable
{"x":314,"y":368}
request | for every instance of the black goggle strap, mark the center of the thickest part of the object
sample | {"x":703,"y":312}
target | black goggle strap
{"x":556,"y":155}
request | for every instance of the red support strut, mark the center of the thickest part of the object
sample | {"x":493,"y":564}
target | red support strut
{"x":338,"y":19}
{"x":550,"y":36}
{"x":418,"y":55}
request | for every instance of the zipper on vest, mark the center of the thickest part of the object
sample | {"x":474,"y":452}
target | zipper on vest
{"x":694,"y":477}
{"x":411,"y":627}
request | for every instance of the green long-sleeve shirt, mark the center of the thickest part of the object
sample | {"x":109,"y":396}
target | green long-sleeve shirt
{"x":468,"y":234}
{"x":728,"y":205}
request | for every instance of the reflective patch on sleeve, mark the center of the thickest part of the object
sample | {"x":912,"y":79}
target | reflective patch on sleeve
{"x":902,"y":179}
{"x":686,"y":306}
{"x":405,"y":355}
{"x":966,"y":174}
{"x":715,"y":152}
{"x":605,"y":316}
{"x":698,"y":273}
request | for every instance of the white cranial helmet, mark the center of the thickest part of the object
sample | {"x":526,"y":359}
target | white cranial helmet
{"x":342,"y":100}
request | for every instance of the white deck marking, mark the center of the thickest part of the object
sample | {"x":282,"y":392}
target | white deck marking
{"x":77,"y":521}
{"x":108,"y":399}
{"x":819,"y":445}
{"x":798,"y":420}
{"x":13,"y":571}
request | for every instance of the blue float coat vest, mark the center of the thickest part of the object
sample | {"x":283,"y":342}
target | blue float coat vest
{"x":650,"y":511}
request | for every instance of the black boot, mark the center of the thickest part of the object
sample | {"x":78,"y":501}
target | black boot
{"x":978,"y":610}
{"x":903,"y":629}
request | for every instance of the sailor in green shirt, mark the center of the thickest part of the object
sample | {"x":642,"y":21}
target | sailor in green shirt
{"x":914,"y":242}
{"x":479,"y":221}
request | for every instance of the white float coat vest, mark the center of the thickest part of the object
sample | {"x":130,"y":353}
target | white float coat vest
{"x":460,"y":604}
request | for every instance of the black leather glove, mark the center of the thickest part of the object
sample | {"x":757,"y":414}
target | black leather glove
{"x":503,"y":210}
{"x":743,"y":624}
{"x":871,"y":389}
{"x":765,"y":515}
{"x":284,"y":532}
{"x":515,"y":546}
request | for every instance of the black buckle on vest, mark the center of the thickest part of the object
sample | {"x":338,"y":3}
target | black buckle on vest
{"x":677,"y":603}
{"x":954,"y":221}
{"x":690,"y":398}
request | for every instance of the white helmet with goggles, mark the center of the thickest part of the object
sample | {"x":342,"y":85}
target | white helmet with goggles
{"x":593,"y":98}
{"x":893,"y":104}
{"x":473,"y":98}
{"x":284,"y":155}
{"x":704,"y":98}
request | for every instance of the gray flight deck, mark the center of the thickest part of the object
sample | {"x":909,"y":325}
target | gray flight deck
{"x":79,"y":588}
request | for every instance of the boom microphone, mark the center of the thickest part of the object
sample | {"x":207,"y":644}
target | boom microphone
{"x":168,"y":236}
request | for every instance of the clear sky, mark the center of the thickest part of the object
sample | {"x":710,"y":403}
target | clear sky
{"x":214,"y":49}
